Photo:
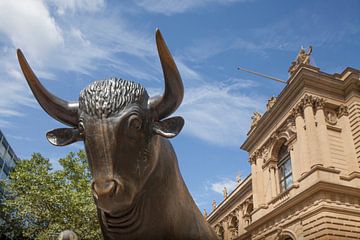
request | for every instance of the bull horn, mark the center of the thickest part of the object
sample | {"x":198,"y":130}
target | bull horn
{"x":174,"y":90}
{"x":57,"y":108}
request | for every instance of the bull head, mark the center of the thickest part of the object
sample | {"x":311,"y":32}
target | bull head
{"x":117,"y":122}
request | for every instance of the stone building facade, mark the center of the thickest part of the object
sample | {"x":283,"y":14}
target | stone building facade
{"x":304,"y":153}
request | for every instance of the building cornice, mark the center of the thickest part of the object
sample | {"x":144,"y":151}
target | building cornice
{"x":241,"y":191}
{"x":307,"y":80}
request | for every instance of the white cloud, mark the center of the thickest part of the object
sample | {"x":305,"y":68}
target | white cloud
{"x":169,"y":7}
{"x":219,"y":113}
{"x":187,"y":72}
{"x":72,"y":43}
{"x":28,"y":25}
{"x":76,"y":5}
{"x":218,"y":187}
{"x":213,"y":112}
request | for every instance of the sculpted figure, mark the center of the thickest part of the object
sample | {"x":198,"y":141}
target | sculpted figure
{"x":225,"y":193}
{"x":136,"y":183}
{"x":303,"y":57}
{"x":255,"y":119}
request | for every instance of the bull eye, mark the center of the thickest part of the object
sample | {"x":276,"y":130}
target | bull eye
{"x":81,"y":127}
{"x":135,"y":122}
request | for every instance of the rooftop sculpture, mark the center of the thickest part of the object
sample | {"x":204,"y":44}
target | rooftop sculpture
{"x":137,"y":186}
{"x":303,"y":57}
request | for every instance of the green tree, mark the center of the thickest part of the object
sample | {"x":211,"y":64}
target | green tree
{"x":43,"y":202}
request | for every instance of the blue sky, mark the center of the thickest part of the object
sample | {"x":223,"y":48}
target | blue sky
{"x":70,"y":43}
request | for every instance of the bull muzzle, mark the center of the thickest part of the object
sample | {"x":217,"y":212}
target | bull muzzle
{"x":105,"y":188}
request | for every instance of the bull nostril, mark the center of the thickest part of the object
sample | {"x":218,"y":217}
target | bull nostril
{"x":104,"y":187}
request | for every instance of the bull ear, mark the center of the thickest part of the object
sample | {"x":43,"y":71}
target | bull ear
{"x":63,"y":136}
{"x":169,"y":128}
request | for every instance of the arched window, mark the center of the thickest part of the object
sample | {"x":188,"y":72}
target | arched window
{"x":284,"y":167}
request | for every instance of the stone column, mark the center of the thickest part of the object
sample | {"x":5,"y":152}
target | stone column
{"x":254,"y":180}
{"x":260,"y":178}
{"x":324,"y":156}
{"x":312,"y":143}
{"x":302,"y":152}
{"x":240,"y":216}
{"x":226,"y":230}
{"x":273,"y":179}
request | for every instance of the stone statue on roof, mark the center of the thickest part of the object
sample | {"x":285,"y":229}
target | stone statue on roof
{"x":213,"y":204}
{"x":225,"y":193}
{"x":302,"y":57}
{"x":255,"y":118}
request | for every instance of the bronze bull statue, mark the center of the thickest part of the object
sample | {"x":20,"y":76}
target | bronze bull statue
{"x":137,"y":186}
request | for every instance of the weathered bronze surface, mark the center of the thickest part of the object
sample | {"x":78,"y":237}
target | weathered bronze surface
{"x":137,"y":186}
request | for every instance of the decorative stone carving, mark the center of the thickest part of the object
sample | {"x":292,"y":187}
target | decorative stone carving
{"x":319,"y":103}
{"x":252,"y":159}
{"x":225,"y":193}
{"x":288,"y":130}
{"x":255,"y":119}
{"x":233,"y":225}
{"x":256,"y":154}
{"x":270,"y":103}
{"x":266,"y":152}
{"x":219,"y":230}
{"x":238,"y":178}
{"x":330,"y":116}
{"x":303,"y":57}
{"x":307,"y":100}
{"x":205,"y":213}
{"x":297,"y":110}
{"x":213,"y":204}
{"x":342,"y":110}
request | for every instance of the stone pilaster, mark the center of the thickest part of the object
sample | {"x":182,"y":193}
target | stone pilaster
{"x":321,"y":130}
{"x":302,"y":153}
{"x":311,"y":137}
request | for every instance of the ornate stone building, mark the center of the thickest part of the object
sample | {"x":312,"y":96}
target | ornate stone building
{"x":304,"y":153}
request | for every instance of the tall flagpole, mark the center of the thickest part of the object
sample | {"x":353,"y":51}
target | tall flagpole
{"x":262,"y":75}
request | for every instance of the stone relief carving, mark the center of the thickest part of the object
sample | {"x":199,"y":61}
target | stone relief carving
{"x":288,"y":130}
{"x":342,"y":110}
{"x":330,"y":116}
{"x":308,"y":100}
{"x":297,"y":110}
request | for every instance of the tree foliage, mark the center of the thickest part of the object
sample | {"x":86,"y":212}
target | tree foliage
{"x":43,"y":202}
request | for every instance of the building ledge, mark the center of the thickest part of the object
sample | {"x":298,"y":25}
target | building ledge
{"x":351,"y":176}
{"x":318,"y":167}
{"x":301,"y":197}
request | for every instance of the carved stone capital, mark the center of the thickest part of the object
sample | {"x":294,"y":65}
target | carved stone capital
{"x":319,"y":103}
{"x":252,"y":159}
{"x":297,"y":110}
{"x":307,"y":101}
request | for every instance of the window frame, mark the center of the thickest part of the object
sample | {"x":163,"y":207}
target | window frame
{"x":282,"y":164}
